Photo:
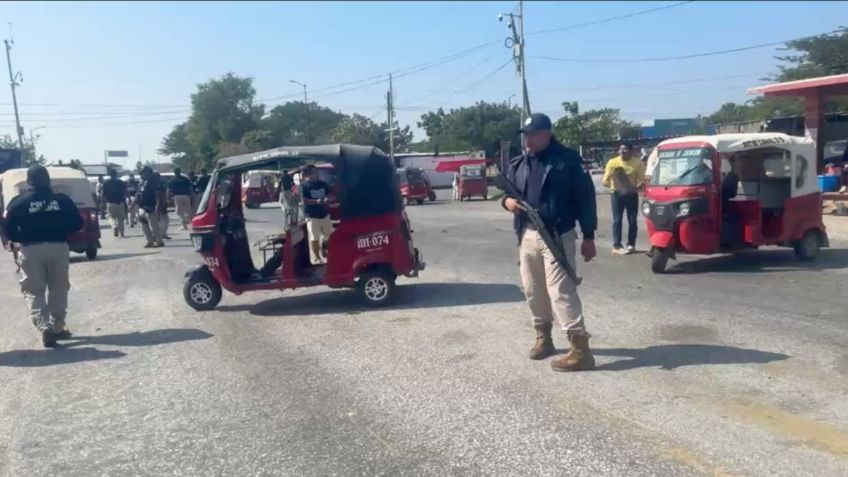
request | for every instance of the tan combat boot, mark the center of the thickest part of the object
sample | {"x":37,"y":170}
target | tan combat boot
{"x":544,"y":346}
{"x":578,"y":358}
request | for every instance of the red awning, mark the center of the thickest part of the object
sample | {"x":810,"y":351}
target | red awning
{"x":799,"y":87}
{"x":453,"y":166}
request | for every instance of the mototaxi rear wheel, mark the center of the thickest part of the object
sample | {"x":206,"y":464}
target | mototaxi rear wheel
{"x":808,"y":247}
{"x":376,"y":288}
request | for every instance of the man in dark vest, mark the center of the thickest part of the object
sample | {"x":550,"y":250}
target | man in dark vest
{"x":38,"y":223}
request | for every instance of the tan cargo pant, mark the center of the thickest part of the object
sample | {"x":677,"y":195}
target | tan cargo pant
{"x":117,"y":216}
{"x":549,"y":291}
{"x":45,"y":284}
{"x":182,"y":204}
{"x":151,"y":225}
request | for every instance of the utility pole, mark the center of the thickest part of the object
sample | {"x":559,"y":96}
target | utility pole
{"x":306,"y":105}
{"x":390,"y":110}
{"x":516,"y":43}
{"x":13,"y":82}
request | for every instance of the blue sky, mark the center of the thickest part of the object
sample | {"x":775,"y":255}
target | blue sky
{"x":118,"y":75}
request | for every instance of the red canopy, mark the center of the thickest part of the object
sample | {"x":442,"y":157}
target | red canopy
{"x":453,"y":166}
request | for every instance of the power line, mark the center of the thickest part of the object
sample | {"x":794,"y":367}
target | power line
{"x":664,"y":83}
{"x":610,"y":19}
{"x":384,"y":78}
{"x":440,"y":89}
{"x":463,"y":90}
{"x":683,"y":57}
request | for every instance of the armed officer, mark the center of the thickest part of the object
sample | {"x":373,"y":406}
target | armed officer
{"x":40,"y":221}
{"x":552,"y":180}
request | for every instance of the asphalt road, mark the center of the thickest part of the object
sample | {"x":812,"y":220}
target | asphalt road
{"x":725,"y":366}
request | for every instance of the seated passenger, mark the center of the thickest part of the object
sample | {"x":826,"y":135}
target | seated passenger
{"x":290,"y":203}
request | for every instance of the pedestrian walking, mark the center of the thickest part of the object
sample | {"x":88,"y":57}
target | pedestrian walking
{"x":315,"y":194}
{"x":132,"y":200}
{"x":179,"y":188}
{"x":101,"y":202}
{"x":202,"y":182}
{"x":455,"y":186}
{"x":551,"y":179}
{"x":192,"y":179}
{"x":149,"y":198}
{"x":38,"y":223}
{"x":624,"y":175}
{"x":115,"y":195}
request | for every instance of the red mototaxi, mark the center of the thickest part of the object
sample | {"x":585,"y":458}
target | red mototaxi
{"x":776,"y":201}
{"x":258,"y":188}
{"x":371,"y":246}
{"x":414,"y":185}
{"x":72,"y":183}
{"x":473,"y":182}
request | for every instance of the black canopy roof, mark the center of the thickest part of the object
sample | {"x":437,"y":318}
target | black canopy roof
{"x":369,"y":183}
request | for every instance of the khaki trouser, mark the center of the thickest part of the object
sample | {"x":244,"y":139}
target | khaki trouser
{"x":45,"y":283}
{"x":184,"y":210}
{"x":151,"y":225}
{"x":164,"y":222}
{"x":549,"y":291}
{"x":117,"y":216}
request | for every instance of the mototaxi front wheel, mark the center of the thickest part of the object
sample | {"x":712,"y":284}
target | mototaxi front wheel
{"x":202,"y":292}
{"x":659,"y":259}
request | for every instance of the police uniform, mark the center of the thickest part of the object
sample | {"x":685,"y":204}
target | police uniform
{"x":115,"y":194}
{"x":132,"y":206}
{"x":40,"y":222}
{"x":148,"y":198}
{"x":554,"y":183}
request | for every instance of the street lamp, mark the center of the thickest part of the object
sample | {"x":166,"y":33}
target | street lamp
{"x":306,"y":105}
{"x":509,"y":101}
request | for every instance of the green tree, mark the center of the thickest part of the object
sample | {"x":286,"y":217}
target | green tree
{"x":479,"y":127}
{"x":257,"y":140}
{"x":222,"y":111}
{"x":28,"y":154}
{"x":807,"y":58}
{"x":357,"y":129}
{"x":576,"y":128}
{"x":287,"y":123}
{"x":732,"y":113}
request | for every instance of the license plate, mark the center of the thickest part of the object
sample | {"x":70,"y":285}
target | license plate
{"x":660,"y":210}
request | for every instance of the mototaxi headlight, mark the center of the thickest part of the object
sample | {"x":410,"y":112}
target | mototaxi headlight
{"x":646,"y":208}
{"x":684,"y":209}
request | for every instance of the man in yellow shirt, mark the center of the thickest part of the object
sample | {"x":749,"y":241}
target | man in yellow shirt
{"x":624,"y":175}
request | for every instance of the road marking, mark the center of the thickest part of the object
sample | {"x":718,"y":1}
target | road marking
{"x":806,"y":431}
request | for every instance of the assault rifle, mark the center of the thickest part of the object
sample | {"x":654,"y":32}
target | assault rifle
{"x":555,"y":246}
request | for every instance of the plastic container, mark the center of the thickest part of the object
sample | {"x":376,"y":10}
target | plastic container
{"x":828,"y":183}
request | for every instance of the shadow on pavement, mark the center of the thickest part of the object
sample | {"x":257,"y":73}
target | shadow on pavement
{"x":414,"y":296}
{"x":48,"y":357}
{"x":679,"y":355}
{"x":146,"y":338}
{"x":762,"y":261}
{"x":114,"y":256}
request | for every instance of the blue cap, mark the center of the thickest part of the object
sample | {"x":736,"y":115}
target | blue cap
{"x":536,"y":122}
